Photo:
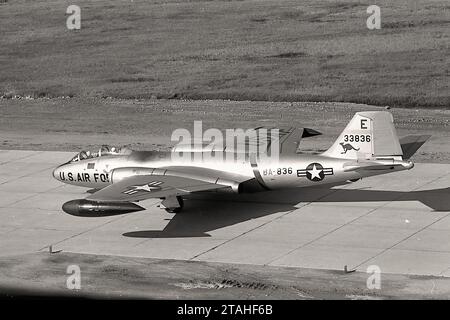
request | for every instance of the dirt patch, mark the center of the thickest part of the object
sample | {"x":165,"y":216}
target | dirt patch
{"x":170,"y":279}
{"x":72,"y":124}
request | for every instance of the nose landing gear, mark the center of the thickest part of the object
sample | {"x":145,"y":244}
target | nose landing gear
{"x":173,"y":204}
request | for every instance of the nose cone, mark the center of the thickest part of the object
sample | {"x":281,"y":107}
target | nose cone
{"x":56,"y":172}
{"x":72,"y":207}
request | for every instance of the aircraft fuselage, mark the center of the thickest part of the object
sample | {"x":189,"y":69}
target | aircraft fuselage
{"x":298,"y":170}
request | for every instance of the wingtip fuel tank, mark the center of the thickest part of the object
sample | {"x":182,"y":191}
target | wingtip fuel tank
{"x":88,"y":208}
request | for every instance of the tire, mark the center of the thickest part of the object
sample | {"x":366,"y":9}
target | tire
{"x":176,"y":209}
{"x":173,"y":210}
{"x":180,"y":202}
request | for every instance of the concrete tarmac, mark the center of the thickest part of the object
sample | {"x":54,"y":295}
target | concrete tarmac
{"x":399,"y":222}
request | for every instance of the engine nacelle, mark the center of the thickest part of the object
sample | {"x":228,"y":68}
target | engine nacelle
{"x":88,"y":208}
{"x":122,"y":173}
{"x":200,"y":147}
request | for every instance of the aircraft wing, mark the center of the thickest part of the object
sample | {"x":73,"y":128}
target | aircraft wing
{"x":138,"y":188}
{"x":166,"y":183}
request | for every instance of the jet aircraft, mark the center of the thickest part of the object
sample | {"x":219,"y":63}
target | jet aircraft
{"x":120,"y":177}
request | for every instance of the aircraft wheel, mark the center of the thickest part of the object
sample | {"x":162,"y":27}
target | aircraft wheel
{"x":173,"y":210}
{"x":178,"y":208}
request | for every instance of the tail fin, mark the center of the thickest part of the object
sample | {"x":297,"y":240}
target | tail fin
{"x":368,"y":135}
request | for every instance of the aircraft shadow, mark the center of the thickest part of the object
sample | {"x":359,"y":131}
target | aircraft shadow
{"x":207,"y":212}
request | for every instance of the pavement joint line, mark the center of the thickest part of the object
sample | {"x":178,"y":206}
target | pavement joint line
{"x":351,"y":221}
{"x":26,"y":175}
{"x":150,"y":239}
{"x":414,"y":233}
{"x":424,"y":250}
{"x":83,"y":232}
{"x":35,"y":194}
{"x":28,"y":156}
{"x":402,"y":240}
{"x":239,"y":235}
{"x":244,"y":201}
{"x":141,"y":242}
{"x":7,"y":232}
{"x":324,"y":235}
{"x":261,"y":225}
{"x":42,"y":209}
{"x":35,"y":208}
{"x":32,"y":195}
{"x":145,"y":240}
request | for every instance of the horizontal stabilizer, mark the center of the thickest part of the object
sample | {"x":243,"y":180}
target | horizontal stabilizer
{"x":410,"y":144}
{"x":371,"y":166}
{"x":307,"y":132}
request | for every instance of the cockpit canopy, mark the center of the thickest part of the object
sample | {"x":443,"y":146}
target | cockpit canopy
{"x":103,"y":151}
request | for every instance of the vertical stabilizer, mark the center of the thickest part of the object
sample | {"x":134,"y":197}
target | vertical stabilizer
{"x":368,"y":135}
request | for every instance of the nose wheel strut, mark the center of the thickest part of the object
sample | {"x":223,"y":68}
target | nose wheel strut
{"x":173,"y":204}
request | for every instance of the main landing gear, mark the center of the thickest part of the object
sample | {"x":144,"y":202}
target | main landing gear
{"x":173,"y":204}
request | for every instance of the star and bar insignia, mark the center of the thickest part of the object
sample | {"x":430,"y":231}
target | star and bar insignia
{"x":315,"y":172}
{"x":149,"y":187}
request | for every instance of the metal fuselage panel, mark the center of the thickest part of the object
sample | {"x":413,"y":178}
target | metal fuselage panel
{"x":297,"y":170}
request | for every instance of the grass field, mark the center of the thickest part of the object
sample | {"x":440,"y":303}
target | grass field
{"x":240,"y":50}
